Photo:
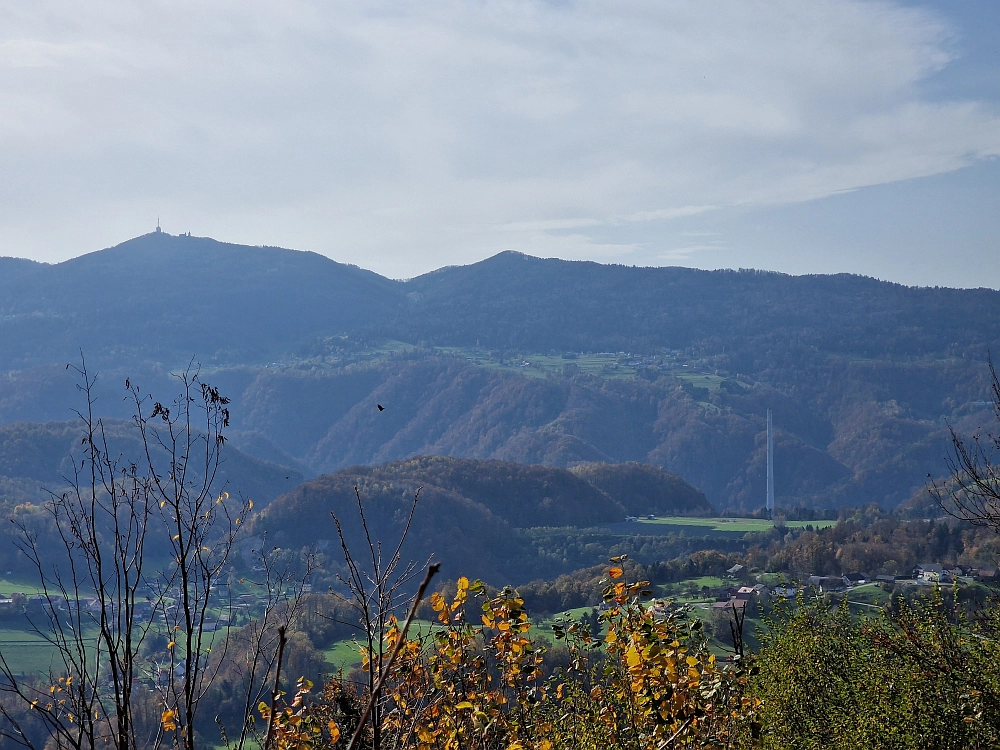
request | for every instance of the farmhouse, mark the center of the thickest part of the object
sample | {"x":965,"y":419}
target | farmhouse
{"x":932,"y":572}
{"x":986,"y":575}
{"x":828,"y":583}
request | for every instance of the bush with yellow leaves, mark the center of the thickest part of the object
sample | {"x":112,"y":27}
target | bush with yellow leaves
{"x":476,"y":681}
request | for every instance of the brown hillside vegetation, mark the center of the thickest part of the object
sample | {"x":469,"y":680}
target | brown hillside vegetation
{"x":860,"y":447}
{"x":470,"y":511}
{"x":454,"y":528}
{"x":42,"y":456}
{"x":644,"y":489}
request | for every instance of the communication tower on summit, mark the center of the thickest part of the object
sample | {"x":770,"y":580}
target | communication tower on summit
{"x":770,"y":466}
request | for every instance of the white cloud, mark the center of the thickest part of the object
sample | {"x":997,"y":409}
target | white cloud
{"x":404,"y":136}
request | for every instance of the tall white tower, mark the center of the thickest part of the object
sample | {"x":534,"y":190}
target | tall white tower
{"x":770,"y":466}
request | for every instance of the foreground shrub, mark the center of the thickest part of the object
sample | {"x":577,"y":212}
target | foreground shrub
{"x":477,"y":681}
{"x":921,"y":677}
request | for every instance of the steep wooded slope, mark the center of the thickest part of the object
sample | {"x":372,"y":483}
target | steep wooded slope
{"x":858,"y":451}
{"x":643,"y":489}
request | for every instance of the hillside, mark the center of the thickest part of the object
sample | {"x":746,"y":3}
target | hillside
{"x":516,"y":301}
{"x":469,"y":511}
{"x":856,"y":448}
{"x":170,"y":298}
{"x":480,"y":361}
{"x":643,"y":489}
{"x":38,"y":458}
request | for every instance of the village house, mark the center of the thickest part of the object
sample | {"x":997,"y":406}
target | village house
{"x":828,"y":583}
{"x":932,"y":573}
{"x":986,"y":575}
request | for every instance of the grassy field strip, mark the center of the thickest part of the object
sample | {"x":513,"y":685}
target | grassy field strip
{"x":732,"y":525}
{"x":25,"y":651}
{"x":8,"y":587}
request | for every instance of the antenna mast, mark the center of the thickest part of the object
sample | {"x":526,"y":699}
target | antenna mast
{"x":770,"y":466}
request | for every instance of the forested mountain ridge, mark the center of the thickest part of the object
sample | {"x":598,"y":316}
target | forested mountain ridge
{"x":518,"y":301}
{"x":864,"y":376}
{"x":172,"y":296}
{"x":164,"y":298}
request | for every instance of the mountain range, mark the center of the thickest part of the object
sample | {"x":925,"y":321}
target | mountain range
{"x":515,"y":358}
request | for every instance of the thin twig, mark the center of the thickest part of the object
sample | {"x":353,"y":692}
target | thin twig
{"x":676,"y":734}
{"x":282,"y":640}
{"x":431,"y":570}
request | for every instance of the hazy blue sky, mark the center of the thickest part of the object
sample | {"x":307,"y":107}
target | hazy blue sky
{"x":795,"y":135}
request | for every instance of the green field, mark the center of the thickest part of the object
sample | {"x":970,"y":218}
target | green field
{"x":869,"y":595}
{"x":728,"y":525}
{"x":343,"y":655}
{"x":541,"y":365}
{"x":713,"y":582}
{"x":26,"y":587}
{"x":27,"y":652}
{"x":700,"y":380}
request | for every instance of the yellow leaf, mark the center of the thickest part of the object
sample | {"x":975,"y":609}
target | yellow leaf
{"x":464,"y":705}
{"x":424,"y":734}
{"x":616,"y":572}
{"x":171,"y":644}
{"x":463,"y":583}
{"x":334,"y":731}
{"x":168,"y":720}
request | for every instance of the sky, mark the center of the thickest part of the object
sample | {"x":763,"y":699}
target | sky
{"x":824,"y":136}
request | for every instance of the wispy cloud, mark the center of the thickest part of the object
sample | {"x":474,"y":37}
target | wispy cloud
{"x":685,"y":253}
{"x":403,"y":136}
